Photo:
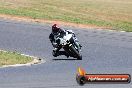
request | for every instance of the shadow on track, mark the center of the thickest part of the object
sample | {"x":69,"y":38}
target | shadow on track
{"x":63,"y":59}
{"x":63,"y":53}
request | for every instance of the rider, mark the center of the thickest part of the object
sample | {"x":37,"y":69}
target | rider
{"x":56,"y":30}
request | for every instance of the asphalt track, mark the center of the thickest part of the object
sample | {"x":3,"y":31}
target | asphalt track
{"x":103,"y":52}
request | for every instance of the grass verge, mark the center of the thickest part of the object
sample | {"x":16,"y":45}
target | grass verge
{"x":108,"y":13}
{"x":11,"y":58}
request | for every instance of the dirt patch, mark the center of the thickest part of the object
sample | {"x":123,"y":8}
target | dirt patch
{"x":28,"y":19}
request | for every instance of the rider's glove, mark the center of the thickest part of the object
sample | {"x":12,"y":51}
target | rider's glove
{"x":71,"y":32}
{"x":58,"y":41}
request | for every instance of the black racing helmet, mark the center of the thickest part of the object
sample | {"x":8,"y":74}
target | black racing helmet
{"x":55,"y":29}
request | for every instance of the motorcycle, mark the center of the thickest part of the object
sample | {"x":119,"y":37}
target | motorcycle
{"x":68,"y":43}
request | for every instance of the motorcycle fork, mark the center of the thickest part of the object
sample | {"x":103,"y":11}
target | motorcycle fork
{"x":67,"y":50}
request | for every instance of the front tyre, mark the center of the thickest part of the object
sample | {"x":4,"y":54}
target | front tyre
{"x":75,"y":53}
{"x":79,"y":57}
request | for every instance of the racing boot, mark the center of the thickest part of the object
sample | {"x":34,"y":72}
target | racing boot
{"x":54,"y":52}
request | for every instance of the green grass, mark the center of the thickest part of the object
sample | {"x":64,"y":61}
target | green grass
{"x":108,"y":13}
{"x":11,"y":58}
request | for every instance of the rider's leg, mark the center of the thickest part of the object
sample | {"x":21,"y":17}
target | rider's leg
{"x":56,"y":51}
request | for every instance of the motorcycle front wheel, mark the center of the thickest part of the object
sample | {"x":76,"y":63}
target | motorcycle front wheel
{"x":75,"y":53}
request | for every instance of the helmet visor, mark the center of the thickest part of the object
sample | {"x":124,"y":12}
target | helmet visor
{"x":55,"y":31}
